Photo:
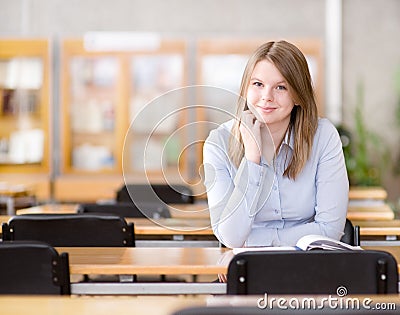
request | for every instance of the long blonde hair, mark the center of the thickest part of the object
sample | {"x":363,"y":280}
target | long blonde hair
{"x":292,"y":64}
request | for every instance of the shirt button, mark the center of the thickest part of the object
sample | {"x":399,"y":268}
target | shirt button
{"x":276,"y":211}
{"x":275,"y":188}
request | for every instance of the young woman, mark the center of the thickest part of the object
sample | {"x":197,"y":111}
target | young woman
{"x":276,"y":172}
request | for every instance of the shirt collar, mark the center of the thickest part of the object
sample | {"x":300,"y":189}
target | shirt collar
{"x":289,"y":138}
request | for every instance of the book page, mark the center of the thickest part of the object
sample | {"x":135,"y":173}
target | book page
{"x":262,"y":248}
{"x":310,"y":242}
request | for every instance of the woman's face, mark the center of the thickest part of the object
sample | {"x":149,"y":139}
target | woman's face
{"x":268,"y":96}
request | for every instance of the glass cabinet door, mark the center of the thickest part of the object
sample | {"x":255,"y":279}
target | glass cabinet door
{"x":154,"y":112}
{"x":92,"y":112}
{"x":24,"y":119}
{"x":92,"y":108}
{"x":115,"y":116}
{"x":158,"y":129}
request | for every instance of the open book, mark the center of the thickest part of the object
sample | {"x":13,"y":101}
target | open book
{"x":307,"y":242}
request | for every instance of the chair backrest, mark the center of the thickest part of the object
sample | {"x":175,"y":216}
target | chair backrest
{"x":155,"y":193}
{"x":128,"y":209}
{"x":312,"y":272}
{"x":68,"y":230}
{"x":33,"y":268}
{"x":351,"y":234}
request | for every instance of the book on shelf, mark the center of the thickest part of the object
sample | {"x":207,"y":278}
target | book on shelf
{"x":305,"y":243}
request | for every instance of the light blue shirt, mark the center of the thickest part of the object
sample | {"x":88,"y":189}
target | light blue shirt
{"x":255,"y":205}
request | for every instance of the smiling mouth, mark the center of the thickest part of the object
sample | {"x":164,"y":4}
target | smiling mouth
{"x":267,"y":109}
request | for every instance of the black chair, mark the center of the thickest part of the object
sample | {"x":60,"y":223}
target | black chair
{"x":155,"y":193}
{"x":351,"y":234}
{"x":128,"y":209}
{"x":312,"y":272}
{"x":33,"y":268}
{"x":70,"y":230}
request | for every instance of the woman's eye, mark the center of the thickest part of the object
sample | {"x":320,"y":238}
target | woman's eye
{"x":281,"y":87}
{"x":257,"y":83}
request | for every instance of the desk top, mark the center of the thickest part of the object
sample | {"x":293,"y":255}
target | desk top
{"x":376,"y":212}
{"x":171,"y":226}
{"x":379,"y":228}
{"x":14,"y":191}
{"x":187,"y":211}
{"x":154,"y":305}
{"x":147,"y":260}
{"x":50,"y":305}
{"x":161,"y":260}
{"x":394,"y":250}
{"x":359,"y":193}
{"x":193,"y":219}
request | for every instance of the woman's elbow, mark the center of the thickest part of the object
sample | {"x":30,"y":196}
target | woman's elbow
{"x":230,"y":241}
{"x":331,"y":230}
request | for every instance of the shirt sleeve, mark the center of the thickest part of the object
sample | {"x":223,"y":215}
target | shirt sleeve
{"x":233,"y":196}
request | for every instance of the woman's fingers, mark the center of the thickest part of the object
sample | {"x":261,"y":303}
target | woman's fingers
{"x":251,"y":136}
{"x":222,"y":278}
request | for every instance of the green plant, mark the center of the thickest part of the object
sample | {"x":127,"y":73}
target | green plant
{"x":366,"y":156}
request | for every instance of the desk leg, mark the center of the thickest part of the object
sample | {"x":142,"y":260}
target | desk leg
{"x":10,"y":206}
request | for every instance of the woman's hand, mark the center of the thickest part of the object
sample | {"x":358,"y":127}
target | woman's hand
{"x":250,"y":130}
{"x":222,"y":278}
{"x":224,"y":260}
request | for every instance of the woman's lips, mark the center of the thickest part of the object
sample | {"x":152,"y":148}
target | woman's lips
{"x":267,"y":109}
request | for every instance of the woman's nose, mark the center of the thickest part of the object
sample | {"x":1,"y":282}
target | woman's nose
{"x":266,"y":94}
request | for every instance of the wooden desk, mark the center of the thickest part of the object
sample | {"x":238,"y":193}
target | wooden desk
{"x":161,"y":305}
{"x":367,"y":193}
{"x":171,"y":232}
{"x":379,"y":211}
{"x":46,"y":305}
{"x":389,"y":229}
{"x":394,"y":250}
{"x":170,"y":226}
{"x":356,"y":211}
{"x":147,"y":261}
{"x":50,"y":208}
{"x":187,"y":219}
{"x":194,"y":220}
{"x":179,"y":211}
{"x":9,"y":194}
{"x":190,"y":211}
